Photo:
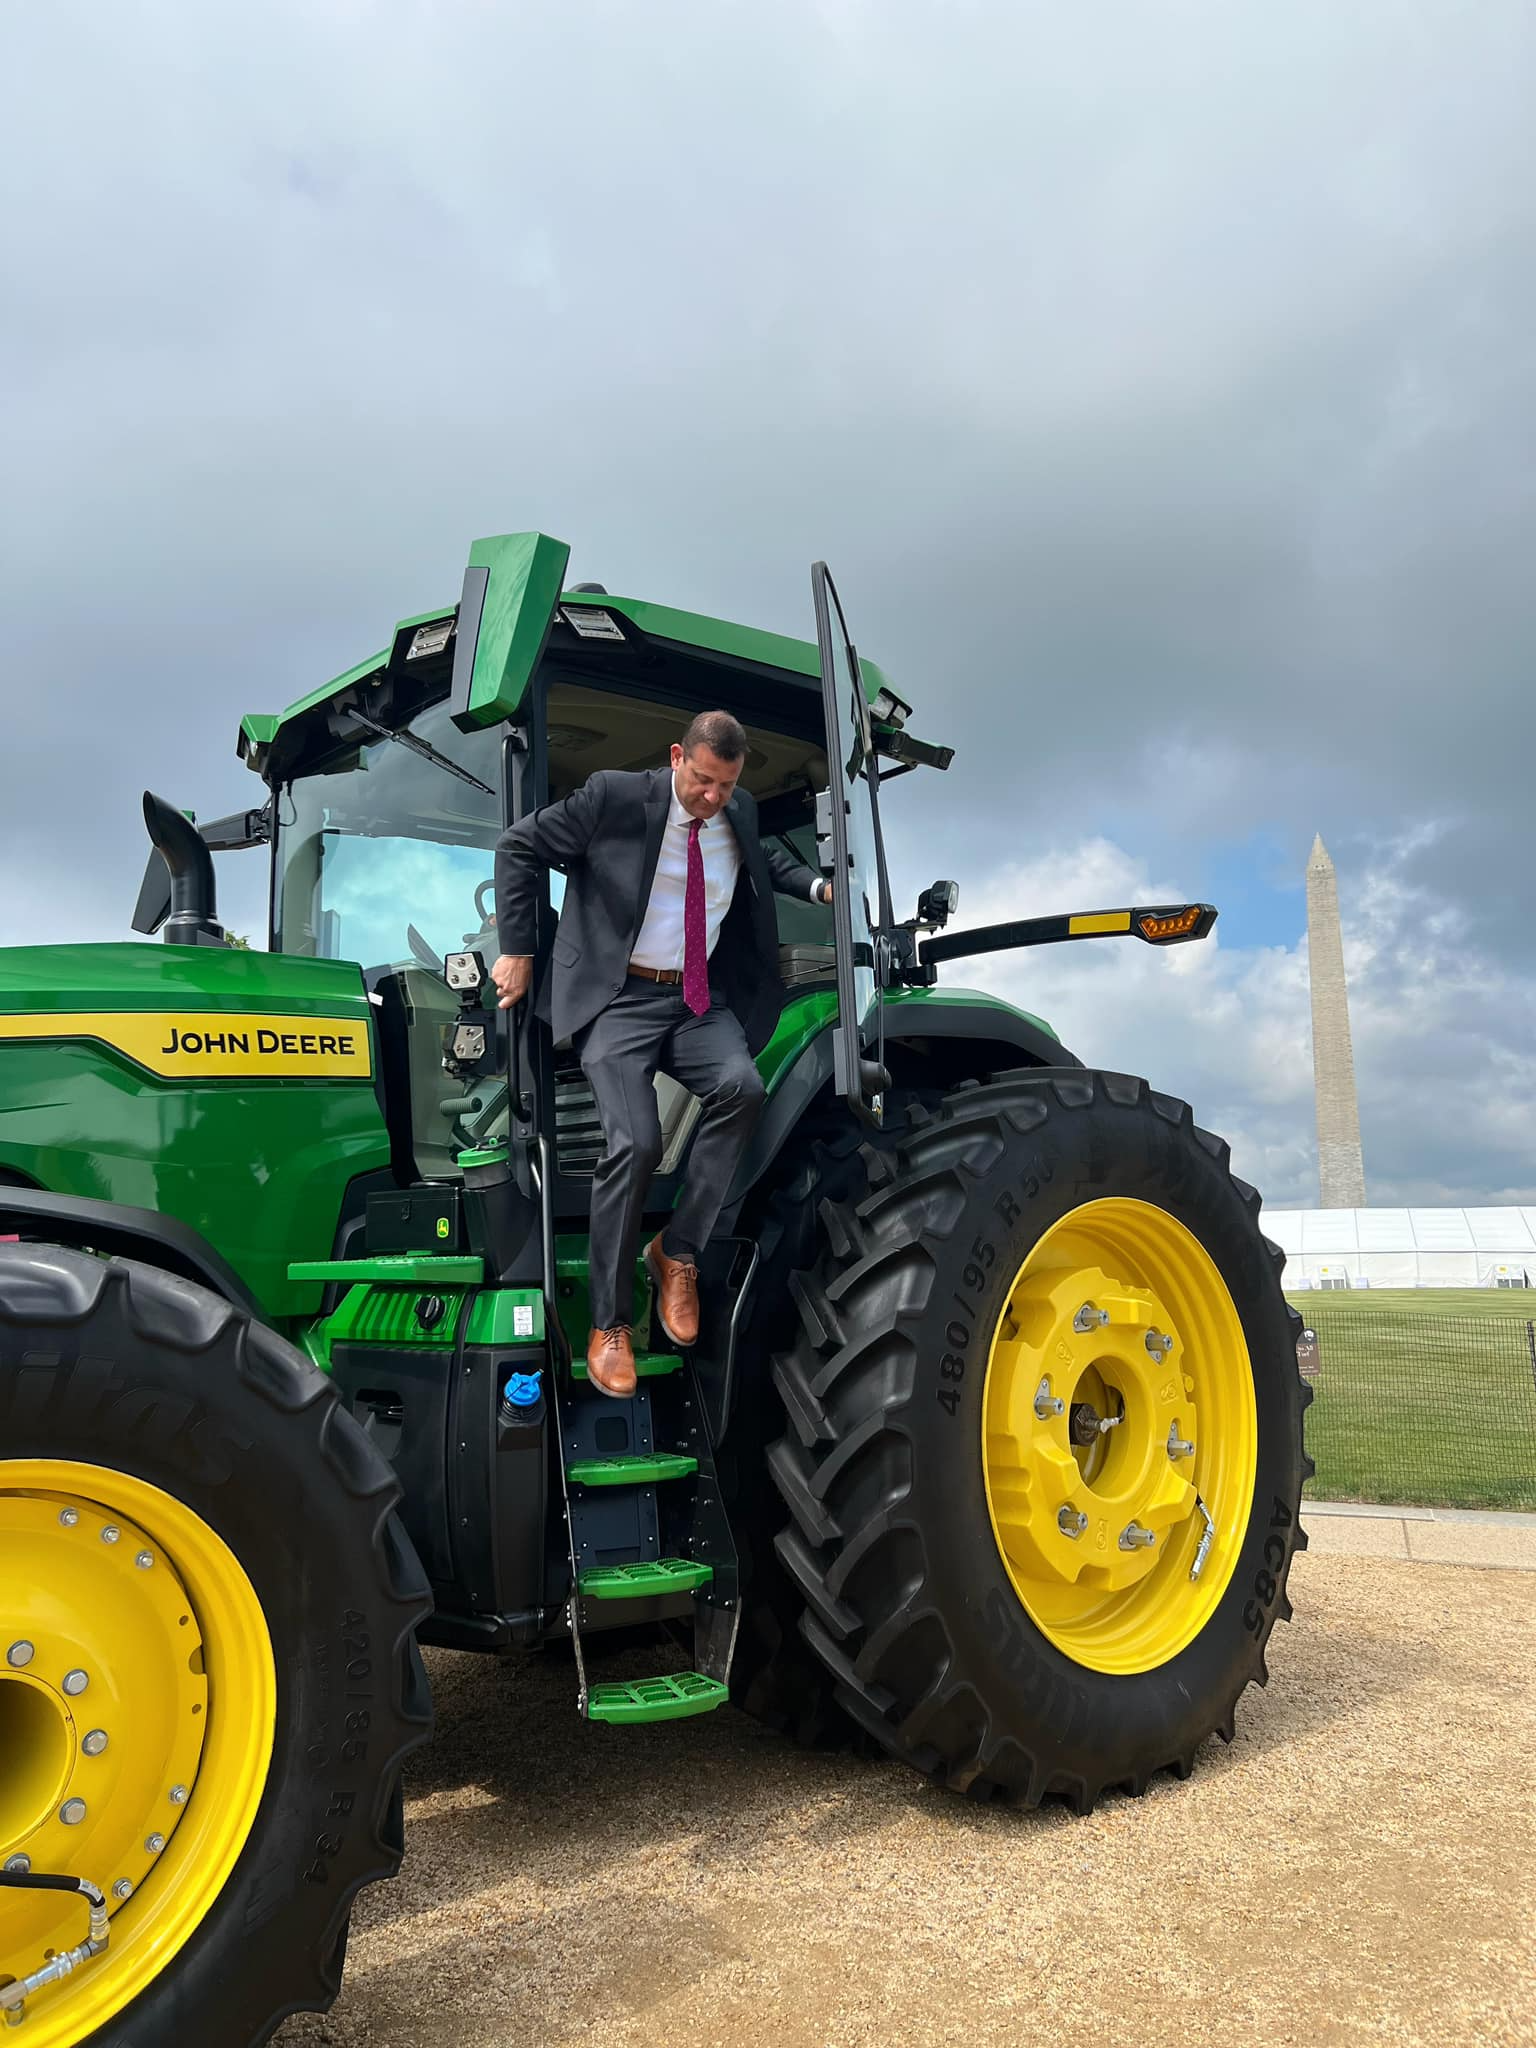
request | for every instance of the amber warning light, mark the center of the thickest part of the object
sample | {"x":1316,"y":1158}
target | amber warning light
{"x":1193,"y":921}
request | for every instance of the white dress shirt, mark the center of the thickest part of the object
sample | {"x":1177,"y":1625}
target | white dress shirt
{"x":660,"y":941}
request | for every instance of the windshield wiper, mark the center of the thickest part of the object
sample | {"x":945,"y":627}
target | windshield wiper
{"x":420,"y":746}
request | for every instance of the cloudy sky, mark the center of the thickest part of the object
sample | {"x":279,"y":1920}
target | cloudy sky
{"x":1156,"y":376}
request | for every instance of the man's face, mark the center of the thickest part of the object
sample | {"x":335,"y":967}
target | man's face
{"x":703,"y":781}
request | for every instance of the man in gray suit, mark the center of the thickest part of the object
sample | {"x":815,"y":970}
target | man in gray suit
{"x":667,"y":959}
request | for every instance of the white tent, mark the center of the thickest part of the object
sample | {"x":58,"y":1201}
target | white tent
{"x":1346,"y":1248}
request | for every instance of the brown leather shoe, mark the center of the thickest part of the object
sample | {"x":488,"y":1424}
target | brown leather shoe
{"x":677,"y":1293}
{"x":611,"y":1361}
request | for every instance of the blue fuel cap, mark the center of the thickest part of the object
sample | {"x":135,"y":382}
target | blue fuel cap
{"x":523,"y":1389}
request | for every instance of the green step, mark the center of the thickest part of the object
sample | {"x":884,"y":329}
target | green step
{"x":635,"y":1581}
{"x":649,"y":1365}
{"x":573,"y":1266}
{"x":656,"y":1699}
{"x":405,"y":1268}
{"x":638,"y":1469}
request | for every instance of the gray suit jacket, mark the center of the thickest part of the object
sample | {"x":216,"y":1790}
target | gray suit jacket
{"x":606,"y":838}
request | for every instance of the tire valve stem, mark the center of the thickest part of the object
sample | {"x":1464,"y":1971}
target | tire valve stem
{"x":1205,"y":1541}
{"x":1047,"y":1404}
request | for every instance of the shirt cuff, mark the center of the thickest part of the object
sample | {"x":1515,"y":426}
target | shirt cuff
{"x":816,"y":892}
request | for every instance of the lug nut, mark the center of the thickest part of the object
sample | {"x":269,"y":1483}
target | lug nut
{"x":1158,"y":1344}
{"x":1047,"y":1404}
{"x":72,"y":1812}
{"x":154,"y":1844}
{"x":69,"y":1516}
{"x":1178,"y":1446}
{"x":17,"y":1866}
{"x":111,"y":1533}
{"x":144,"y":1560}
{"x":123,"y":1889}
{"x":178,"y":1795}
{"x":1071,"y":1522}
{"x":1134,"y":1537}
{"x":75,"y":1683}
{"x":1090,"y":1318}
{"x":95,"y":1742}
{"x":19,"y":1654}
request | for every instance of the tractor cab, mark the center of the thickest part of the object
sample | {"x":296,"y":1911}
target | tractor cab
{"x":390,"y":787}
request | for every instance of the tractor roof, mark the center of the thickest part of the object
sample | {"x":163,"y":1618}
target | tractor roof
{"x":519,"y":612}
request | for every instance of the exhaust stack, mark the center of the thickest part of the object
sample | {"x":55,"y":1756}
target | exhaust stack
{"x":191,"y":920}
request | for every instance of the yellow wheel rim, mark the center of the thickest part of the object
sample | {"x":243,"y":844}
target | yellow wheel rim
{"x":138,"y":1702}
{"x":1119,"y":1540}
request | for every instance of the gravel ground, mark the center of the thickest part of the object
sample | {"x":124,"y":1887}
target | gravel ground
{"x":1356,"y":1868}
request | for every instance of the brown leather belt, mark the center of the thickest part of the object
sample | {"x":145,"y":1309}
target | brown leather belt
{"x":670,"y":976}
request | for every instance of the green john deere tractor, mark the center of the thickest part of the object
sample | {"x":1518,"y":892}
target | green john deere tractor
{"x":989,"y":1454}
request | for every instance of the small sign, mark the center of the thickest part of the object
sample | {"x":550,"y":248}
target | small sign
{"x":522,"y":1319}
{"x":1309,"y":1357}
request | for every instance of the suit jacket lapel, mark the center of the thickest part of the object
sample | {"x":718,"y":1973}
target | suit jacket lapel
{"x":658,"y":801}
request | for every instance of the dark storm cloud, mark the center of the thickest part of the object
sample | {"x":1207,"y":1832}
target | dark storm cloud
{"x":1156,"y":380}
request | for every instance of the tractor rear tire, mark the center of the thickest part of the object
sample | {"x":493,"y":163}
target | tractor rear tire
{"x":931,"y":1306}
{"x":139,"y":1409}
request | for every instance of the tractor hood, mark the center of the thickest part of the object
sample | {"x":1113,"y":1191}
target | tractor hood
{"x":233,"y":1092}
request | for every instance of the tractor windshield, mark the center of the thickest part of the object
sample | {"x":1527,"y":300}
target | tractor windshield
{"x":387,"y":858}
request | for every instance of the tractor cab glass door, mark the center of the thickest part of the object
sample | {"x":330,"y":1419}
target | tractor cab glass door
{"x":852,"y":855}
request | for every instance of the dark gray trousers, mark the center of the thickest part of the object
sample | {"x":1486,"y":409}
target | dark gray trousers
{"x":647,"y":1029}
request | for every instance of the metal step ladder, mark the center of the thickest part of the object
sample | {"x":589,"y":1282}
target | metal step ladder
{"x":647,"y":1532}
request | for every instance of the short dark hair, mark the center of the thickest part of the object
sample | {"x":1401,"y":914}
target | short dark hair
{"x":722,"y":734}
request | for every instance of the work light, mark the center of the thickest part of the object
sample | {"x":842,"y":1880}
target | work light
{"x":465,"y":972}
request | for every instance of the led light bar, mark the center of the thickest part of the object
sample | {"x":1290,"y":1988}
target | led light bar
{"x":430,"y":639}
{"x":591,"y":622}
{"x":1162,"y":927}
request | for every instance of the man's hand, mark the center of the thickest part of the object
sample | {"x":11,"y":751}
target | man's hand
{"x":826,"y":893}
{"x":512,"y":973}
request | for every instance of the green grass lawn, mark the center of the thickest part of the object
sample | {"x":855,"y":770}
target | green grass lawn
{"x":1424,"y":1396}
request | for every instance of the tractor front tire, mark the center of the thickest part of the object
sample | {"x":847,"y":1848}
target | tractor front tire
{"x":1041,"y":1358}
{"x":210,"y":1678}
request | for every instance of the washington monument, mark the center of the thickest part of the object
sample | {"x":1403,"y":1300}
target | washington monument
{"x":1340,"y":1168}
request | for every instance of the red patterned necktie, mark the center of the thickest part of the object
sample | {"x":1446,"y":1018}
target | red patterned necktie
{"x":695,"y":929}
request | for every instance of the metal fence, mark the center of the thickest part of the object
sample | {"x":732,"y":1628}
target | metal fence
{"x":1422,"y":1409}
